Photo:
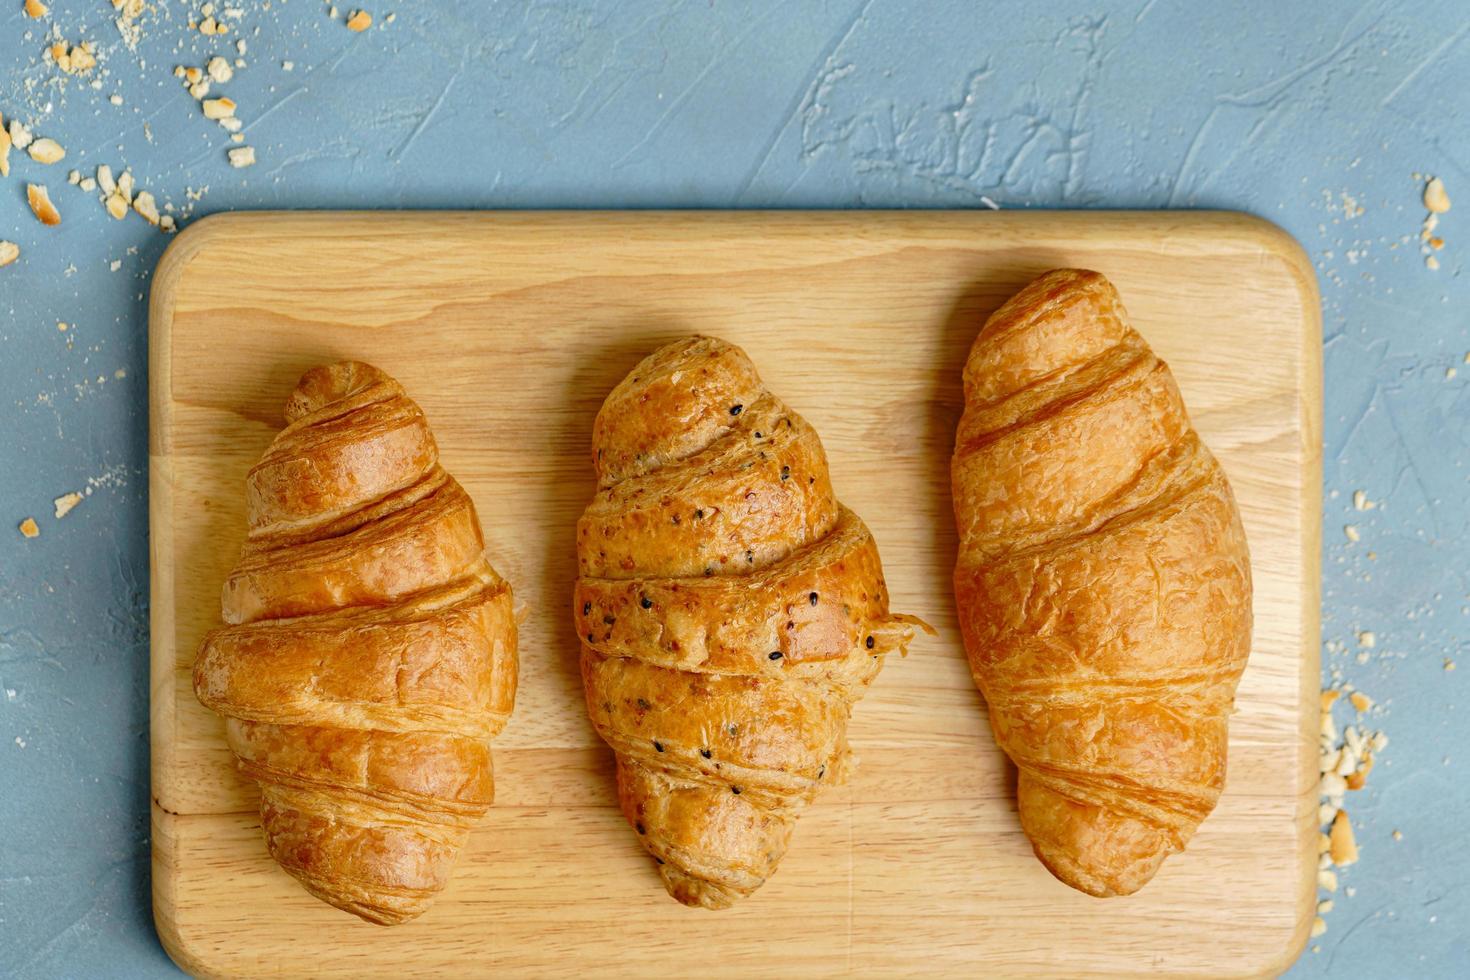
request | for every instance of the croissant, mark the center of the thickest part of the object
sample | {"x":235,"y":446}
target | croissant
{"x":1103,"y":582}
{"x":370,"y":651}
{"x":731,"y":613}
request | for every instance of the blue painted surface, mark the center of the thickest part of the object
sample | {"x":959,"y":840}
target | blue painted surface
{"x":1300,"y":112}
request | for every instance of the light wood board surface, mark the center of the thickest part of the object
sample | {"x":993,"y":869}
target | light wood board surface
{"x":509,"y":329}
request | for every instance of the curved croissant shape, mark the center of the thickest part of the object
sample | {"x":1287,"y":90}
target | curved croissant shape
{"x":731,"y":612}
{"x":1103,"y":582}
{"x":370,"y":654}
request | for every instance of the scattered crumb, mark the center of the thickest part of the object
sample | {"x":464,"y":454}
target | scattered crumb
{"x":1367,"y":638}
{"x":1327,"y":880}
{"x":218,"y":108}
{"x":29,"y":528}
{"x":1361,"y":702}
{"x":145,"y":206}
{"x":1398,"y":835}
{"x":41,"y":206}
{"x":1319,"y":926}
{"x":1436,"y":198}
{"x":1351,"y":532}
{"x":117,"y":205}
{"x":242,"y":156}
{"x":73,"y":59}
{"x":219,"y":70}
{"x":20,"y":134}
{"x":35,"y":9}
{"x":1344,"y":847}
{"x":65,"y":503}
{"x":1449,"y":664}
{"x":1328,"y":697}
{"x":360,"y":21}
{"x":47,"y":151}
{"x":1431,"y":262}
{"x":9,"y":252}
{"x":1361,"y":501}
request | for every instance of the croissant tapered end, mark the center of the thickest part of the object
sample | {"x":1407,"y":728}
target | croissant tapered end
{"x":369,"y":651}
{"x":731,"y":612}
{"x":327,"y":383}
{"x":1092,"y":848}
{"x":1103,"y":582}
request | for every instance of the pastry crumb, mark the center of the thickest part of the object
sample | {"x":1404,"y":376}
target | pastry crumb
{"x":41,"y":206}
{"x":9,"y":252}
{"x":65,"y":503}
{"x":360,"y":21}
{"x":242,"y":156}
{"x":20,"y":134}
{"x":1436,"y":198}
{"x":145,"y":206}
{"x":1319,"y":926}
{"x":218,"y":108}
{"x":47,"y":151}
{"x":1350,"y":531}
{"x":1361,"y":702}
{"x":1344,"y":846}
{"x":29,"y":528}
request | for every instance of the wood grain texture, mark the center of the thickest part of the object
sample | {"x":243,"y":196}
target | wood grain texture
{"x":509,"y":329}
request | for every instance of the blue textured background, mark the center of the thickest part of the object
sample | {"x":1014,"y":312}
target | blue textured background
{"x":1300,"y":112}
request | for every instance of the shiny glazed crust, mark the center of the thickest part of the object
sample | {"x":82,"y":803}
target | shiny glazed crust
{"x":1103,"y":582}
{"x":370,"y":654}
{"x":731,"y":613}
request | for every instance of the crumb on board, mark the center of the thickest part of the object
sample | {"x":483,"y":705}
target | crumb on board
{"x":9,"y":252}
{"x":242,"y":156}
{"x":359,"y":21}
{"x":29,"y":528}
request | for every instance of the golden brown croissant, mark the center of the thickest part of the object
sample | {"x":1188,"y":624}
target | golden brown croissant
{"x":1103,"y":582}
{"x":731,"y":613}
{"x":370,"y":654}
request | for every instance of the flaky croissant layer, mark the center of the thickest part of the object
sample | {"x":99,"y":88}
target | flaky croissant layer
{"x":1103,"y":582}
{"x":731,"y":613}
{"x":370,"y":654}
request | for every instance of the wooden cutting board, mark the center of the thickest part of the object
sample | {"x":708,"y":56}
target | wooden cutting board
{"x":510,"y":329}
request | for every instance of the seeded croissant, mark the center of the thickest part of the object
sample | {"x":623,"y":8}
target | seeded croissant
{"x":731,"y":613}
{"x":370,"y":654}
{"x":1103,"y":583}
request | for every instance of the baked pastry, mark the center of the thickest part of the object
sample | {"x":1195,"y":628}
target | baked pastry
{"x":731,"y":613}
{"x":1103,"y":582}
{"x":370,"y":651}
